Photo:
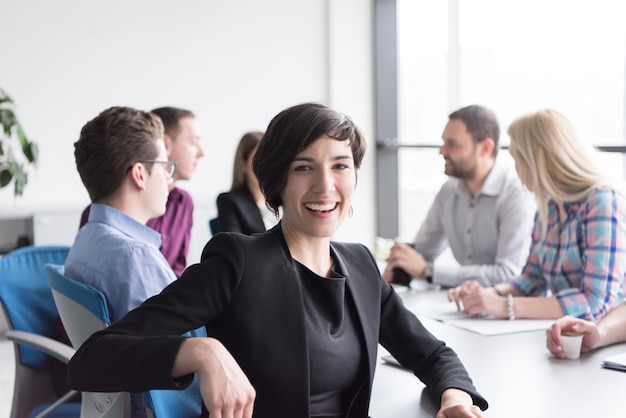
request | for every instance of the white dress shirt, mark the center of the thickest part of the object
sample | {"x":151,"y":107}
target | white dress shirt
{"x":489,"y":234}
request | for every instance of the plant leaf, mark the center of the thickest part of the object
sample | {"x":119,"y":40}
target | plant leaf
{"x":12,"y":170}
{"x":21,"y":178}
{"x":33,"y":152}
{"x":29,"y":149}
{"x":5,"y":177}
{"x":7,"y":120}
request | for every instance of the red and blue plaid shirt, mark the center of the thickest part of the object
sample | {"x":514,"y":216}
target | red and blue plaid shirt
{"x":581,"y":260}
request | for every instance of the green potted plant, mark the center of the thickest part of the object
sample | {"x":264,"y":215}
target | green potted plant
{"x":12,"y":138}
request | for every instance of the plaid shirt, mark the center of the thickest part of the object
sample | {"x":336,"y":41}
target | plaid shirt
{"x":582,"y":260}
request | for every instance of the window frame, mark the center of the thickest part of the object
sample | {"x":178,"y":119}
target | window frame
{"x":386,"y":110}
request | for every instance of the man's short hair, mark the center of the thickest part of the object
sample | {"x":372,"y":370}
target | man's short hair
{"x":171,"y":116}
{"x":110,"y":144}
{"x":481,"y":123}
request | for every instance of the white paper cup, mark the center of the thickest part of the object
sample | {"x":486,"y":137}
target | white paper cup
{"x":571,"y":343}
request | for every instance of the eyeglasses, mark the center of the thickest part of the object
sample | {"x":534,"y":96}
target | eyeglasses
{"x":169,"y":166}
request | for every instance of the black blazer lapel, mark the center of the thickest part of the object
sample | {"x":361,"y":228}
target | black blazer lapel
{"x":359,"y":269}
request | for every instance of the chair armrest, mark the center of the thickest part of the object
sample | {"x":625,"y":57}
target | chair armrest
{"x":56,"y":349}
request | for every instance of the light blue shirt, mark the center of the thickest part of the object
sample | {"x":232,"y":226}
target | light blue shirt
{"x":120,"y":257}
{"x":489,"y":234}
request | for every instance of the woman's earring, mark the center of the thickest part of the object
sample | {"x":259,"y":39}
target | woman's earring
{"x":350,"y":212}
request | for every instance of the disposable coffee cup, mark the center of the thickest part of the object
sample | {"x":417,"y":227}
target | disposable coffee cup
{"x":571,"y":343}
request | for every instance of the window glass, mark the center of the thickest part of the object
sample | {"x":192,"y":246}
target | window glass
{"x":514,"y":57}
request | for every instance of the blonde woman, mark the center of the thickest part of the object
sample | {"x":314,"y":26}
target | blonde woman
{"x":577,"y":259}
{"x":242,"y":209}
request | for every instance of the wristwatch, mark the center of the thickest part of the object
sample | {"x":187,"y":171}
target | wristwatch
{"x":429,"y":272}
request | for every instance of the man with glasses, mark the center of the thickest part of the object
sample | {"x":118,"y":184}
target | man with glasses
{"x":181,"y":138}
{"x":122,"y":162}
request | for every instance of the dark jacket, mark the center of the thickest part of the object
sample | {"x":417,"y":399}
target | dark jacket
{"x":238,"y":212}
{"x":247,"y":293}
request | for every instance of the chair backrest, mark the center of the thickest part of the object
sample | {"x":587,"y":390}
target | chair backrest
{"x":28,"y":306}
{"x":26,"y":298}
{"x":174,"y":403}
{"x":83,"y":310}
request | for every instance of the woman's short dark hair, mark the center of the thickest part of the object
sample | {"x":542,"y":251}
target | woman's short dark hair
{"x":292,"y":131}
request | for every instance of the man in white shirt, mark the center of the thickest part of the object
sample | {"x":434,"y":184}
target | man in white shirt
{"x":483,"y":212}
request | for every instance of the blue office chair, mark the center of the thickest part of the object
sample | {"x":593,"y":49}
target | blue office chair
{"x":174,"y":403}
{"x":83,"y":311}
{"x":32,"y":317}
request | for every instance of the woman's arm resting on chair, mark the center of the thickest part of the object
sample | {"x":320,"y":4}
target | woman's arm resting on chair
{"x":225,"y":388}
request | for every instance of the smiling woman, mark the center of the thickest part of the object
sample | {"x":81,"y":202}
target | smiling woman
{"x":318,"y":193}
{"x":295,"y":319}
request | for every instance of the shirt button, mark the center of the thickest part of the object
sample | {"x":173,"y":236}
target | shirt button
{"x":469,"y":256}
{"x":469,"y":230}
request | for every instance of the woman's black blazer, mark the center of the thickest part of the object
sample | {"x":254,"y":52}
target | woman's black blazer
{"x":238,"y":212}
{"x":247,"y":293}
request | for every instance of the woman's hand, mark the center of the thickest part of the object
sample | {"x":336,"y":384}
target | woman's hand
{"x":458,"y":404}
{"x":225,"y":388}
{"x":475,"y":300}
{"x":591,"y":334}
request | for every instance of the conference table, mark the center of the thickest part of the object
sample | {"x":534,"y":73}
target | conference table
{"x":513,"y":370}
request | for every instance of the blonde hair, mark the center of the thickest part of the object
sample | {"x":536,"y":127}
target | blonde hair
{"x":247,"y":144}
{"x":560,"y":165}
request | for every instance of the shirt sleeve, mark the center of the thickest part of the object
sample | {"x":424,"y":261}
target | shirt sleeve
{"x":431,"y":240}
{"x":175,"y":229}
{"x":531,"y":281}
{"x":599,"y":257}
{"x":434,"y":363}
{"x":180,"y":263}
{"x":132,"y":279}
{"x":137,"y":352}
{"x":514,"y":216}
{"x":603,"y":245}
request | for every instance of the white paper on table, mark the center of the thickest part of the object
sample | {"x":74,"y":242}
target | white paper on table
{"x":616,"y":362}
{"x":500,"y":326}
{"x":448,"y":314}
{"x":415,"y":285}
{"x":439,"y":311}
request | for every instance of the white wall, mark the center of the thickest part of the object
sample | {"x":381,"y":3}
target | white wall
{"x":235,"y":63}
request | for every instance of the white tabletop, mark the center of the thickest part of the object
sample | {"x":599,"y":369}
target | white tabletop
{"x":514,"y":372}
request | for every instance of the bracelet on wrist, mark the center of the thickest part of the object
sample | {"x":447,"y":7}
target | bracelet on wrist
{"x":511,"y":308}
